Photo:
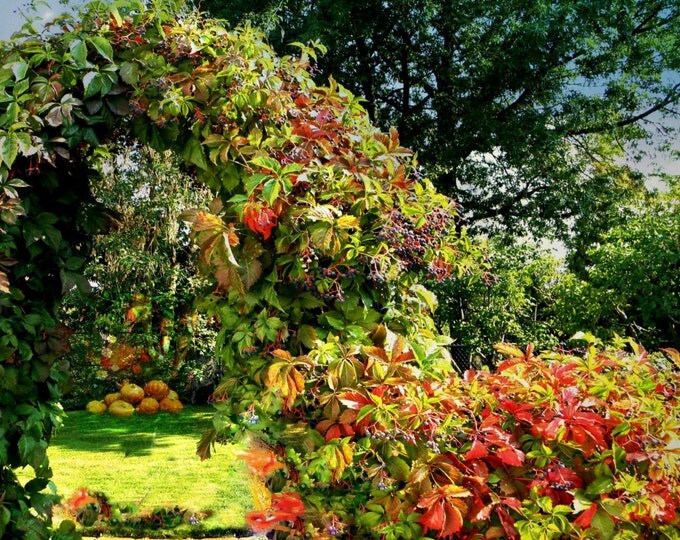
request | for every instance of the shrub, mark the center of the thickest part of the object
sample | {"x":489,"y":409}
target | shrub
{"x":557,"y":445}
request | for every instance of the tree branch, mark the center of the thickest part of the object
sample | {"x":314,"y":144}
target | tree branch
{"x":670,"y":98}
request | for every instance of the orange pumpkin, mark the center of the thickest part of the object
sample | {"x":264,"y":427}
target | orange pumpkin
{"x":148,"y":406}
{"x":131,"y":393}
{"x":121,"y":409}
{"x":156,"y":389}
{"x":110,"y":398}
{"x":96,"y":407}
{"x":173,"y":406}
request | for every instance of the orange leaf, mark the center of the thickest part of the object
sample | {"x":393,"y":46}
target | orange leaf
{"x":288,"y":502}
{"x":80,"y":498}
{"x":261,"y":462}
{"x":453,"y":521}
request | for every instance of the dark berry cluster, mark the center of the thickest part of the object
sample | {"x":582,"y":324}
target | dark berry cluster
{"x":410,"y":242}
{"x":322,"y":278}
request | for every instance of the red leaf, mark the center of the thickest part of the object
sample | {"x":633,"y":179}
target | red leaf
{"x":586,"y":517}
{"x":578,"y":435}
{"x":508,"y":523}
{"x":511,"y":456}
{"x":433,"y":518}
{"x":477,"y":450}
{"x":260,"y":219}
{"x":513,"y":503}
{"x":453,"y":521}
{"x":334,"y":432}
{"x":288,"y":502}
{"x":354,"y":400}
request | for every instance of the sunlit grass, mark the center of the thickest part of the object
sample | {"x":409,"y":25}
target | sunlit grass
{"x":151,"y":462}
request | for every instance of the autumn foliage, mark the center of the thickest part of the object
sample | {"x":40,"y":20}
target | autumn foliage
{"x":320,"y":244}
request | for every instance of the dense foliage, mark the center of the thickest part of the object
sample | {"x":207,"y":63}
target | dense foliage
{"x":515,"y":302}
{"x":560,"y":445}
{"x":318,"y":246}
{"x":503,"y":101}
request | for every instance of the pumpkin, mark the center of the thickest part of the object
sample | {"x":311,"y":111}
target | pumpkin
{"x":173,"y":406}
{"x":148,"y":406}
{"x":172,"y":395}
{"x":110,"y":398}
{"x":121,"y":409}
{"x":131,"y":393}
{"x":96,"y":407}
{"x":156,"y":389}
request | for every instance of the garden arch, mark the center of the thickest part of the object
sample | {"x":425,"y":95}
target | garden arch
{"x":305,"y":239}
{"x":318,"y":242}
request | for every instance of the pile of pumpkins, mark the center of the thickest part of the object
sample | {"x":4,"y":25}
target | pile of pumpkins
{"x":131,"y":398}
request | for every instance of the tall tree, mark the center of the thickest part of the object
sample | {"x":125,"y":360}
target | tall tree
{"x":503,"y":100}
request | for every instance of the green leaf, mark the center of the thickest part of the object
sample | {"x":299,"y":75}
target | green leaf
{"x":271,"y":190}
{"x":129,"y":72}
{"x":307,"y":336}
{"x":103,"y":47}
{"x":398,"y":468}
{"x":19,"y":69}
{"x":119,"y":105}
{"x":92,"y":83}
{"x":5,"y":516}
{"x":370,"y":519}
{"x":600,"y":485}
{"x":78,"y":50}
{"x":250,"y":271}
{"x":603,"y":524}
{"x":9,"y":148}
{"x":193,"y":153}
{"x":26,"y":447}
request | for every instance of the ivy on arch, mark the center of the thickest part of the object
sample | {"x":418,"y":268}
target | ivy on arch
{"x":316,"y":239}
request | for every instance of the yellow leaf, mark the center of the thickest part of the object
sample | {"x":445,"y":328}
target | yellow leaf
{"x":347,"y":222}
{"x":509,"y":350}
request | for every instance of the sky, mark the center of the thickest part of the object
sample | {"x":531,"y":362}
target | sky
{"x":11,"y":21}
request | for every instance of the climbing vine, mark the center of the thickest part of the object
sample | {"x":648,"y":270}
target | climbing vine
{"x":319,"y":243}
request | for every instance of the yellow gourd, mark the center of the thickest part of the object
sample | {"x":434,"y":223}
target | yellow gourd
{"x":131,"y":393}
{"x":96,"y":407}
{"x":121,"y":409}
{"x":110,"y":398}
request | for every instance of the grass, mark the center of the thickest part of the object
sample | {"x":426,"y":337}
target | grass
{"x":150,"y":462}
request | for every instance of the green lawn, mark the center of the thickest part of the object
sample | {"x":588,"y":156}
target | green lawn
{"x":150,"y":461}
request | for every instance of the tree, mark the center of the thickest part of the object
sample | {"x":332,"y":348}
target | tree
{"x":502,"y":100}
{"x":515,"y":303}
{"x":630,"y":282}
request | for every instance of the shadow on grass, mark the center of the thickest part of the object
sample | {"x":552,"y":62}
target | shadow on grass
{"x":133,"y":436}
